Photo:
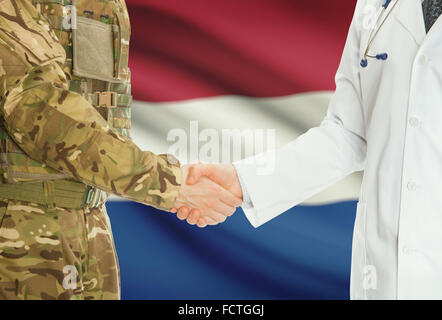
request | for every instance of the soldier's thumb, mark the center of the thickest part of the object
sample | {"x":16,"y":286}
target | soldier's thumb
{"x":195,"y":173}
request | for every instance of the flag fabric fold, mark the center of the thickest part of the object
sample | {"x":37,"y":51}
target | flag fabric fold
{"x":247,"y":64}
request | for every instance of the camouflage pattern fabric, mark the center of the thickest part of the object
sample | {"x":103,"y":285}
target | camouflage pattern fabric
{"x":58,"y":127}
{"x":51,"y":130}
{"x":56,"y":253}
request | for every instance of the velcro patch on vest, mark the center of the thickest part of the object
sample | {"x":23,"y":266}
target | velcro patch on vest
{"x":93,"y":54}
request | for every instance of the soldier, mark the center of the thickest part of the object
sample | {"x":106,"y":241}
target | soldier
{"x":64,"y":145}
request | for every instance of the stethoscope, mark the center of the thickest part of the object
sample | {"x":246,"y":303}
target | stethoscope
{"x":374,"y":33}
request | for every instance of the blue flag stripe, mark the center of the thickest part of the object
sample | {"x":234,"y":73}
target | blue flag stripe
{"x":303,"y":254}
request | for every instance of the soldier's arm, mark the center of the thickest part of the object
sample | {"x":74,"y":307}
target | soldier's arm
{"x":60,"y":128}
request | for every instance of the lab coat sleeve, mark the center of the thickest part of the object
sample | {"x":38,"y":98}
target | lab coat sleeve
{"x":278,"y":180}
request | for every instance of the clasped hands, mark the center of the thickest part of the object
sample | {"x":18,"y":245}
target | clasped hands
{"x":209,"y":194}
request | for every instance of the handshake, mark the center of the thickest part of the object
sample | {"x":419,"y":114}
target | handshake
{"x":208,"y":195}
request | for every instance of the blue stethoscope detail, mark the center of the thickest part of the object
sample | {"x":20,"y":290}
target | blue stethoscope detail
{"x":385,"y":5}
{"x":381,"y":19}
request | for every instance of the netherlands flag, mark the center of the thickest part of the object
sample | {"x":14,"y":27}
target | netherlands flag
{"x":235,"y":65}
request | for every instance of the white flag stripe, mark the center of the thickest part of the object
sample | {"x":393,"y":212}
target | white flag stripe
{"x":290,"y":116}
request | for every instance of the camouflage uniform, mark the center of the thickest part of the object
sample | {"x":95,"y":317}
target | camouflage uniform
{"x":64,"y":135}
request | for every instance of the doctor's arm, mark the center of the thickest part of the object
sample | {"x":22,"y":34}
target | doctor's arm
{"x":309,"y":164}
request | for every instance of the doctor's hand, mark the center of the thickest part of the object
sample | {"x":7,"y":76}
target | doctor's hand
{"x":222,"y":174}
{"x":201,"y":201}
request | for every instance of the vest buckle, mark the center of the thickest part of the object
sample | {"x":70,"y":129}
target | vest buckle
{"x":107,"y":99}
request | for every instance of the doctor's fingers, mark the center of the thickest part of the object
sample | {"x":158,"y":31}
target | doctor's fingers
{"x":201,"y":223}
{"x":218,"y":213}
{"x":221,"y":208}
{"x":227,"y":198}
{"x":206,"y":193}
{"x":208,"y":221}
{"x":214,"y":216}
{"x":213,"y":206}
{"x":193,"y":217}
{"x":183,"y":213}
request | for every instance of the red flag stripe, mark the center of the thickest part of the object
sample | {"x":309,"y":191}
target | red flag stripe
{"x":200,"y":48}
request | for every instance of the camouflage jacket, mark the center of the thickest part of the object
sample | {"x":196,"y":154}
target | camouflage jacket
{"x":47,"y":115}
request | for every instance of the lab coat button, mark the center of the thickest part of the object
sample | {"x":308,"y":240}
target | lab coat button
{"x":414,"y":122}
{"x":411,"y":186}
{"x":423,"y":60}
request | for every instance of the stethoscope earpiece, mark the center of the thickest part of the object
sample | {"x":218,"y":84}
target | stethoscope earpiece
{"x":382,"y":56}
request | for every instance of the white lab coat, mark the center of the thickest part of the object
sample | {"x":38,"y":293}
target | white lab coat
{"x":385,"y":119}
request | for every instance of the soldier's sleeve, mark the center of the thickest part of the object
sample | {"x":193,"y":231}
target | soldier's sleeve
{"x":60,"y":128}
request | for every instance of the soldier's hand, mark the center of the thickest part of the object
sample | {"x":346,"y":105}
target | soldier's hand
{"x":204,"y":202}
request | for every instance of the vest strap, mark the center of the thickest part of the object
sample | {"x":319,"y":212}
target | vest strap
{"x":109,"y":99}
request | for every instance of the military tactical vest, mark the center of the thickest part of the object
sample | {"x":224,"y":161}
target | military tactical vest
{"x":96,"y":67}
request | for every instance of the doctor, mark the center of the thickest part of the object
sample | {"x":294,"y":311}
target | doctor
{"x":385,"y":118}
